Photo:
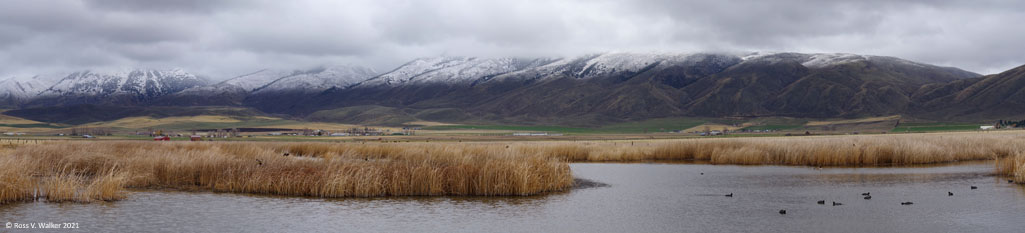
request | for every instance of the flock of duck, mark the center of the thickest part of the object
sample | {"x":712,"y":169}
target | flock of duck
{"x":866,"y":196}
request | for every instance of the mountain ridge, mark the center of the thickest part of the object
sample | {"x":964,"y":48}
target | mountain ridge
{"x":591,"y":89}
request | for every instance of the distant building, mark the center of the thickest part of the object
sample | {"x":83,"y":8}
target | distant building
{"x":530,"y":134}
{"x":987,"y":127}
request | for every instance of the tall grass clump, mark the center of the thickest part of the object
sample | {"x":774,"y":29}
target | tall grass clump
{"x":62,"y":187}
{"x":1013,"y":166}
{"x":105,"y":187}
{"x":16,"y":182}
{"x":91,"y":171}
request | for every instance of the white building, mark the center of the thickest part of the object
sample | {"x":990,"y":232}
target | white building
{"x":530,"y":134}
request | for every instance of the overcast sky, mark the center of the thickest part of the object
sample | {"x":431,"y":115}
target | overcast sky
{"x":223,"y":38}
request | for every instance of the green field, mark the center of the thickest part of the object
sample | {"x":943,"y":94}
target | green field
{"x":934,"y":127}
{"x":650,"y":126}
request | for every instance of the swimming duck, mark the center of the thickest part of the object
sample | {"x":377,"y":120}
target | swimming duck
{"x":837,"y":203}
{"x":907,"y":203}
{"x":729,"y":195}
{"x":822,"y":202}
{"x":782,"y":211}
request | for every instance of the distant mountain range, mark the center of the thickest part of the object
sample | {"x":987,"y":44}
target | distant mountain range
{"x":586,"y":90}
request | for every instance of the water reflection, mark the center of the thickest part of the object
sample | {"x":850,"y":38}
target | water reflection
{"x":638,"y":198}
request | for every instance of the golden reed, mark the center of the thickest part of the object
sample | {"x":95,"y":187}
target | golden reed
{"x":1013,"y":166}
{"x":84,"y":171}
{"x":89,"y":171}
{"x":850,"y":150}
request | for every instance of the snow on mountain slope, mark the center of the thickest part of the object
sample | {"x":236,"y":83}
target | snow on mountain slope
{"x":469,"y":69}
{"x":433,"y":70}
{"x":240,"y":85}
{"x":313,"y":80}
{"x":760,"y":55}
{"x":452,"y":70}
{"x":211,"y":90}
{"x":821,"y":60}
{"x":619,"y":62}
{"x":775,"y":57}
{"x":23,"y":87}
{"x":138,"y":82}
{"x":415,"y":68}
{"x":831,"y":59}
{"x":599,"y":65}
{"x":252,"y":81}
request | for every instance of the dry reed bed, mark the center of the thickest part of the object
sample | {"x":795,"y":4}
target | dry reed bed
{"x":86,"y":171}
{"x":1013,"y":166}
{"x":861,"y":150}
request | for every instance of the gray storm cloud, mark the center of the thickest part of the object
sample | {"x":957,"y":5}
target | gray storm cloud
{"x":227,"y":37}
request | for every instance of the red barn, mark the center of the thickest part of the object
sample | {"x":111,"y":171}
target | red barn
{"x":195,"y":138}
{"x":161,"y":138}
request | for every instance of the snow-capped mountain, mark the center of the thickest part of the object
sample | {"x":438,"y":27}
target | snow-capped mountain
{"x":260,"y":78}
{"x":240,"y":85}
{"x":23,"y":87}
{"x":814,"y":60}
{"x":609,"y":64}
{"x":452,"y":70}
{"x":598,"y":87}
{"x":134,"y":83}
{"x":457,"y":70}
{"x":312,"y":80}
{"x":824,"y":60}
{"x":634,"y":86}
{"x":20,"y":89}
{"x":272,"y":81}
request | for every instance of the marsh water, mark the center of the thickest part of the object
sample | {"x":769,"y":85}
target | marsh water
{"x":634,"y":197}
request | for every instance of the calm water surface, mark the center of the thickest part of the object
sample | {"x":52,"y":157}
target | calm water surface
{"x":638,"y":198}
